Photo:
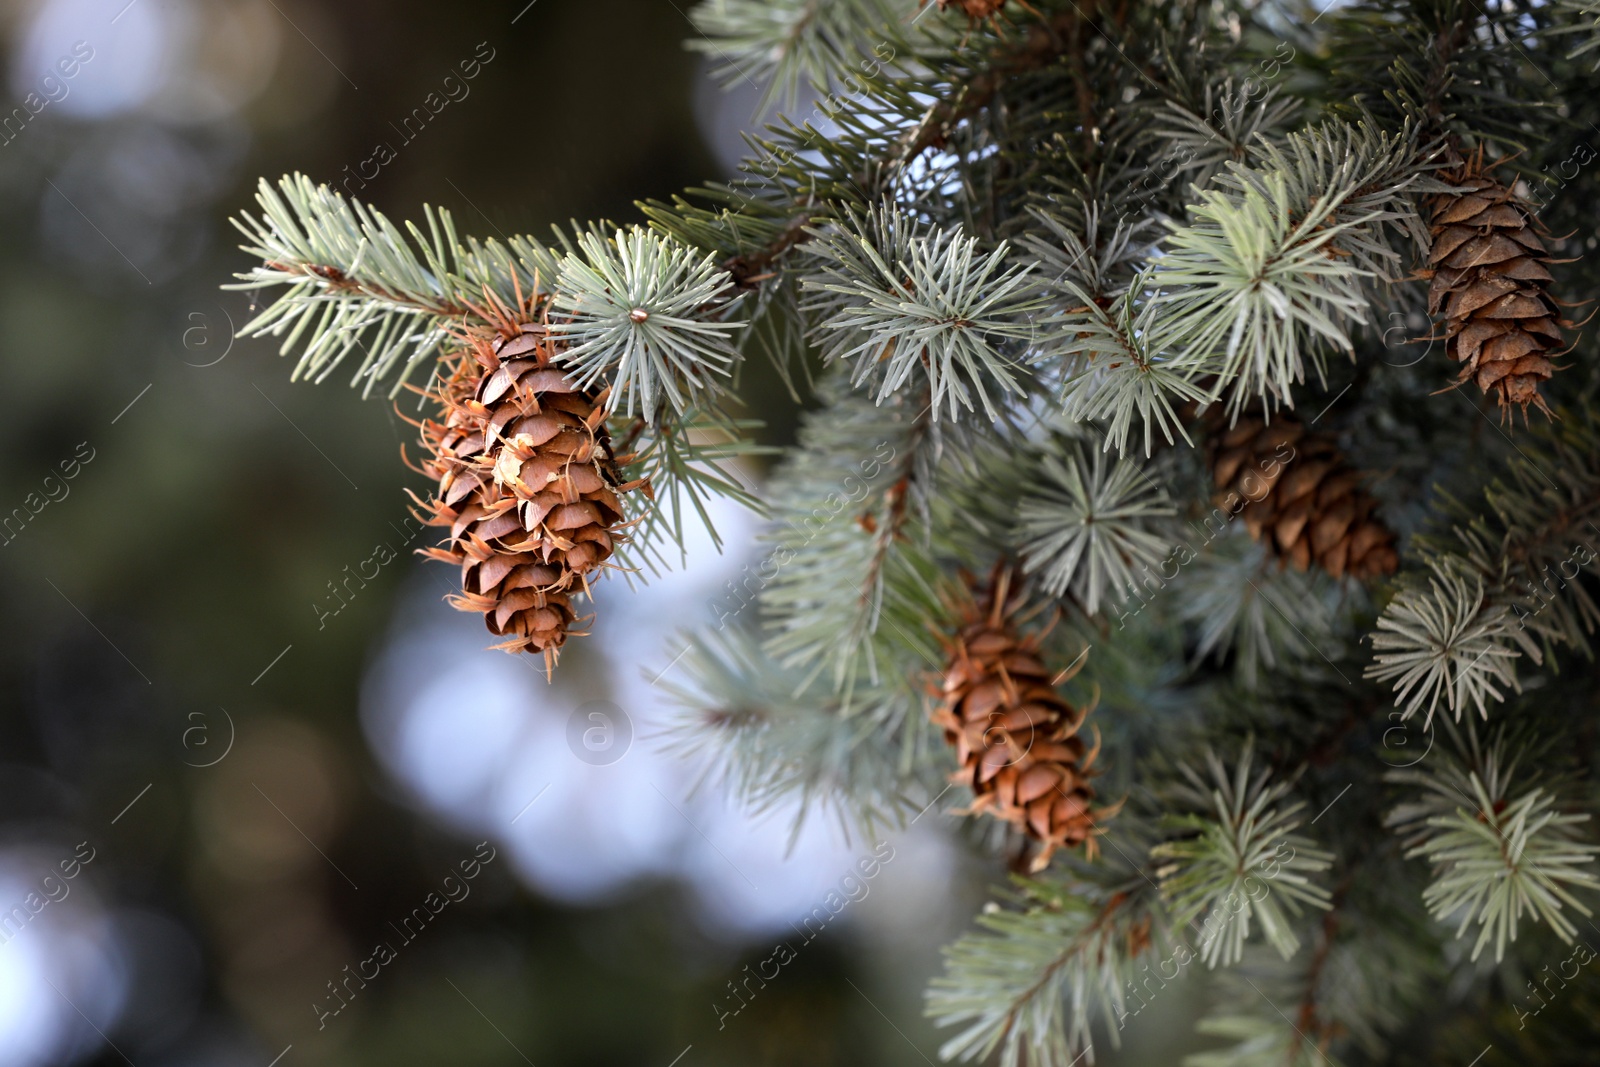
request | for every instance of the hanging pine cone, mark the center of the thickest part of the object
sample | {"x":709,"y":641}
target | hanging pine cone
{"x":1490,"y":283}
{"x":1016,"y":738}
{"x":1299,"y":496}
{"x":527,"y":486}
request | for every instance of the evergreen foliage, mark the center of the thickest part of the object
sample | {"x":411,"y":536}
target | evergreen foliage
{"x":899,"y":303}
{"x":1083,"y":524}
{"x":1498,"y":851}
{"x":1036,"y":979}
{"x":1237,"y":835}
{"x":775,"y":743}
{"x":632,"y":312}
{"x":1010,"y":264}
{"x":1033,"y":984}
{"x":788,"y":45}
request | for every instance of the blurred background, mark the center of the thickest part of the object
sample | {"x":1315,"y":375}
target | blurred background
{"x":245,"y":744}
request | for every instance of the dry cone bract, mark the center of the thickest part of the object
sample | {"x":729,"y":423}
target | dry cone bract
{"x":1491,"y":284}
{"x":1300,"y":496}
{"x":527,"y":487}
{"x":1015,"y":736}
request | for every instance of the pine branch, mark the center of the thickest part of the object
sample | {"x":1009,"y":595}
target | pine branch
{"x":1373,"y":177}
{"x":1122,"y":363}
{"x":786,"y":45}
{"x":1271,"y":269}
{"x":752,"y":222}
{"x":773,"y":742}
{"x":1456,"y":68}
{"x":311,"y":234}
{"x":1370,"y":964}
{"x":644,"y":316}
{"x":357,"y":281}
{"x":855,"y":587}
{"x":1500,"y":585}
{"x":1506,"y":851}
{"x":1085,"y":525}
{"x":1237,"y":859}
{"x":1255,"y":285}
{"x":685,"y":463}
{"x":1264,"y":618}
{"x":777,"y":330}
{"x":889,"y":127}
{"x":1494,"y":873}
{"x":1272,"y":266}
{"x":1444,"y":642}
{"x":1375,"y":963}
{"x":897,"y":301}
{"x":1584,"y":16}
{"x":1225,"y":130}
{"x":1036,"y":979}
{"x":1265,"y":1030}
{"x":1103,"y":337}
{"x":1076,"y":256}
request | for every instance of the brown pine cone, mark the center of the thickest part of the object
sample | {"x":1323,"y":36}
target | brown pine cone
{"x":1016,"y":738}
{"x":527,"y":486}
{"x":1295,"y":492}
{"x":1491,"y":284}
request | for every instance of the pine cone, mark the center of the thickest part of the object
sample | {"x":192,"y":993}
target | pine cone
{"x":1490,"y":282}
{"x":1015,"y":736}
{"x":527,"y":486}
{"x":1300,"y":496}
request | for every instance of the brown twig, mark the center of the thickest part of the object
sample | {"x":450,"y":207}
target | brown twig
{"x":336,"y":280}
